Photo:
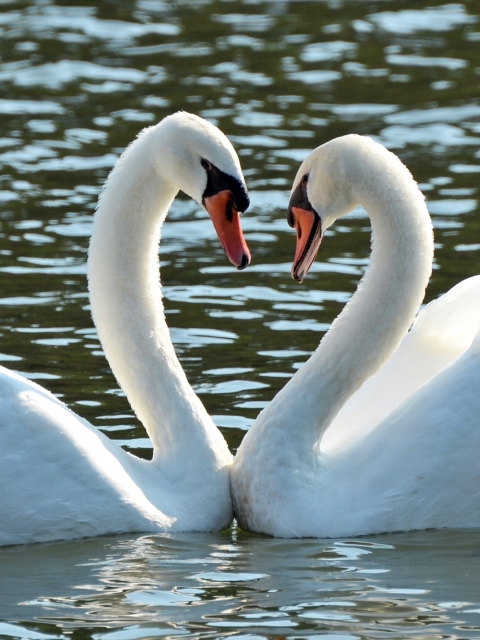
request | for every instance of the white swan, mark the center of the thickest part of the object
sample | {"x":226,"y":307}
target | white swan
{"x":60,"y":478}
{"x":401,"y":452}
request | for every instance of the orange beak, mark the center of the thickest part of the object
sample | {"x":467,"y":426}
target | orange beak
{"x":226,"y":220}
{"x":309,"y":236}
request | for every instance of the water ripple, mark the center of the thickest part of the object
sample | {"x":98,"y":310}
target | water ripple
{"x":77,"y":84}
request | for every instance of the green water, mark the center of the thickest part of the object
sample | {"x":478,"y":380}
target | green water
{"x":77,"y":83}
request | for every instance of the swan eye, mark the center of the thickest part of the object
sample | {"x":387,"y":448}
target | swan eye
{"x":305,"y":179}
{"x":205,"y":164}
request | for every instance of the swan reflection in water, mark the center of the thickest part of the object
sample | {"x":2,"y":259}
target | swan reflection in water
{"x":221,"y":581}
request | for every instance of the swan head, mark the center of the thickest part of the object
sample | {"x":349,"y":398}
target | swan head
{"x":321,"y":193}
{"x":198,"y":158}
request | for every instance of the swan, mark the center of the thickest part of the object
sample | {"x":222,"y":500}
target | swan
{"x":61,"y":478}
{"x":380,"y":430}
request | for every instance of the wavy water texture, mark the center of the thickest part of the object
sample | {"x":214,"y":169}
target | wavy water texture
{"x":77,"y":83}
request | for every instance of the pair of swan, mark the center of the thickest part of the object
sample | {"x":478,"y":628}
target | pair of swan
{"x":376,"y":432}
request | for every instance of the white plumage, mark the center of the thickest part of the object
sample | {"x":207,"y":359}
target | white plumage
{"x":60,"y":478}
{"x":380,"y":430}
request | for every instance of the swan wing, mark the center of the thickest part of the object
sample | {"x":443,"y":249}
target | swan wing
{"x":442,"y":331}
{"x":60,"y":477}
{"x":419,"y":468}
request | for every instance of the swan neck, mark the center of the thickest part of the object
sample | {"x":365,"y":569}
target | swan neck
{"x":371,"y":326}
{"x":126,"y":303}
{"x":369,"y":329}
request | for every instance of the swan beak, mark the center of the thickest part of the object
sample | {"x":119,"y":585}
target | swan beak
{"x":226,"y":220}
{"x":308,"y":226}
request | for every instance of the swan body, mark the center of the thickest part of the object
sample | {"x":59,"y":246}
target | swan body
{"x":61,"y":478}
{"x":380,"y":430}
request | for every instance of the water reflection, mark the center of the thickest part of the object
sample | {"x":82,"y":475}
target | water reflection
{"x":408,"y":585}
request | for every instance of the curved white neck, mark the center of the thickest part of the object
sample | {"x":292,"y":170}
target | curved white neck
{"x":371,"y":325}
{"x":125,"y":295}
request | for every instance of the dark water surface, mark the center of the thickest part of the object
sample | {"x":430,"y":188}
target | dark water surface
{"x":77,"y":82}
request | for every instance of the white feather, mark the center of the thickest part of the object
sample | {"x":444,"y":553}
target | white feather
{"x":380,"y":430}
{"x":60,"y":478}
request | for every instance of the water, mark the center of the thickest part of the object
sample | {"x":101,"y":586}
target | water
{"x":77,"y":83}
{"x":217,"y":585}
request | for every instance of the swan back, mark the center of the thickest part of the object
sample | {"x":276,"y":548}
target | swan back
{"x":442,"y":332}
